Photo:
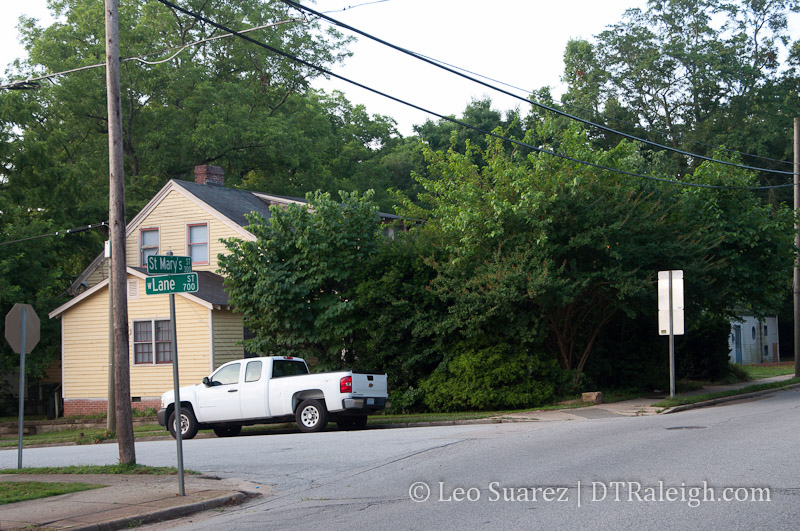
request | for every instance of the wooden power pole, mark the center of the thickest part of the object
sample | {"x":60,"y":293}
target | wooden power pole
{"x":797,"y":245}
{"x":116,"y":207}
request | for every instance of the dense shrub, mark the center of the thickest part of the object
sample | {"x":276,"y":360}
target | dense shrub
{"x":703,"y":354}
{"x":500,"y":376}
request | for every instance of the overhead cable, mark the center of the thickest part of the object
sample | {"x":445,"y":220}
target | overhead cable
{"x":537,"y":104}
{"x":58,"y":233}
{"x":453,"y":120}
{"x":579,"y":108}
{"x":31,"y":82}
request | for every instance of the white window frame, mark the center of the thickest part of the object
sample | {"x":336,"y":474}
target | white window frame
{"x":207,"y":242}
{"x":153,"y":342}
{"x":157,"y":230}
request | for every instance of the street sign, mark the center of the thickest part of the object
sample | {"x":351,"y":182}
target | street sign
{"x":664,"y":309}
{"x":186,"y":282}
{"x":14,"y":330}
{"x":158,"y":264}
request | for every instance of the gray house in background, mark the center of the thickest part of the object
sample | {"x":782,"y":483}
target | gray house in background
{"x":754,"y":341}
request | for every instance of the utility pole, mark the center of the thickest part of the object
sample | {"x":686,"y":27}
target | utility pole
{"x":116,"y":207}
{"x":797,"y":246}
{"x":111,"y":410}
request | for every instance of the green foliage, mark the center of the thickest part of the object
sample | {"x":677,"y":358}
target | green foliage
{"x":702,"y":354}
{"x":399,"y":314}
{"x":295,"y":283}
{"x":223,"y":101}
{"x":703,"y":70}
{"x":500,"y":376}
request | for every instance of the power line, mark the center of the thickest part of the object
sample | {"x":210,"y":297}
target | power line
{"x":58,"y":233}
{"x":583,"y":109}
{"x":453,"y":120}
{"x":32,"y":82}
{"x":540,"y":105}
{"x":355,"y":6}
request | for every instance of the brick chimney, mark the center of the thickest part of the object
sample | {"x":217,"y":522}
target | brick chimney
{"x":208,"y":174}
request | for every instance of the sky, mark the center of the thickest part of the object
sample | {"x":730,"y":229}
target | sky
{"x":519,"y":42}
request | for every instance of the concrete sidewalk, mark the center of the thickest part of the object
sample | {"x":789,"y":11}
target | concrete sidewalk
{"x":127,"y":500}
{"x":641,"y":406}
{"x":132,"y":500}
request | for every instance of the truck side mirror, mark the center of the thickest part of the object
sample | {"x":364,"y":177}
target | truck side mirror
{"x":206,"y":381}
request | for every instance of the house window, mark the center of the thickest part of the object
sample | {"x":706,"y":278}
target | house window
{"x":150,"y":347}
{"x":148,"y":245}
{"x":197,"y":237}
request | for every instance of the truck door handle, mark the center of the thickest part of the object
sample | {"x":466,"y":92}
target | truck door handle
{"x":232,"y":390}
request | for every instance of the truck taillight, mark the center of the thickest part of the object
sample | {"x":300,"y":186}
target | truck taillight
{"x":346,"y":384}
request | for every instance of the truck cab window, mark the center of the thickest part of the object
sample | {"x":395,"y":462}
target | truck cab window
{"x":281,"y":368}
{"x":226,"y":375}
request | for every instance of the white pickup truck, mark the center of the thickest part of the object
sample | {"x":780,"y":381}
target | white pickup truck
{"x":274,"y":389}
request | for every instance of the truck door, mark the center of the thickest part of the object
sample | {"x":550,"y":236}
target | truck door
{"x":253,"y":391}
{"x":220,"y":399}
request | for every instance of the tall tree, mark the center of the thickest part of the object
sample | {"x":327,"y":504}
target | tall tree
{"x":222,"y":101}
{"x":295,"y":284}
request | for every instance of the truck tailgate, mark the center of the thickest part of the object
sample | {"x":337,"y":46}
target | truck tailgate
{"x":370,"y":385}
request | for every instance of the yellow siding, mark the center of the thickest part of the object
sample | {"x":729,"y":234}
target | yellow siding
{"x":85,"y":344}
{"x":99,"y":274}
{"x":171,"y":217}
{"x":193,"y":343}
{"x":227,"y":333}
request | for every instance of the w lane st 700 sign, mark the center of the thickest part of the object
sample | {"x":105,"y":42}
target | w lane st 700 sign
{"x":186,"y":282}
{"x":178,"y":280}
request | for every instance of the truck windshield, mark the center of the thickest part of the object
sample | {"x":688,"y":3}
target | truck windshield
{"x":281,"y":368}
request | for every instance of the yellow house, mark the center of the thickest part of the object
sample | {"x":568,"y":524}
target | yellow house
{"x":189,"y":219}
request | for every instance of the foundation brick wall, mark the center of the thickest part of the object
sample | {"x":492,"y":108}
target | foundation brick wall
{"x":93,"y":406}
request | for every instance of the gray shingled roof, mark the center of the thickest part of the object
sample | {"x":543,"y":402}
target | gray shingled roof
{"x":234,"y":203}
{"x":230,"y":202}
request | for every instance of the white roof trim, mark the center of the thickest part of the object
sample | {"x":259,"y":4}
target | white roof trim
{"x":66,"y":306}
{"x":273,"y":199}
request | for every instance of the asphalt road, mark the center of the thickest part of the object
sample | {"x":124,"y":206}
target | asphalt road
{"x":654,"y":472}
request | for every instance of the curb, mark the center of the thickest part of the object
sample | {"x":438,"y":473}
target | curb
{"x":721,"y":400}
{"x":167,"y":514}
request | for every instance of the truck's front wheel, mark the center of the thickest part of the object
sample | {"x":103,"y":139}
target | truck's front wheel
{"x":188,"y":424}
{"x":311,"y":416}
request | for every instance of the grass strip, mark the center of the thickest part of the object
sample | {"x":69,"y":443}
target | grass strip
{"x":99,"y":469}
{"x":77,"y":436}
{"x":756,"y":372}
{"x":682,"y":401}
{"x":17,"y":491}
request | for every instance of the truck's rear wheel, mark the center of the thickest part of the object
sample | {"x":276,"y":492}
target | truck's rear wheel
{"x":188,"y":424}
{"x":311,"y":416}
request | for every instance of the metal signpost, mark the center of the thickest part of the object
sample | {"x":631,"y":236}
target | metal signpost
{"x":22,"y":333}
{"x":670,"y":314}
{"x":179,"y":279}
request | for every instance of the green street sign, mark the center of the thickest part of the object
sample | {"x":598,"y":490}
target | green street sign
{"x":186,"y":282}
{"x":157,"y":264}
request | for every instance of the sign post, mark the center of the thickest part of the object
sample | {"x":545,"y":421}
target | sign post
{"x":22,"y":333}
{"x":670,"y":314}
{"x":178,"y":279}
